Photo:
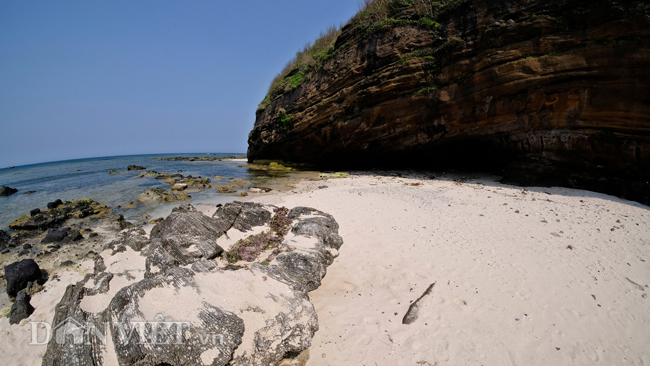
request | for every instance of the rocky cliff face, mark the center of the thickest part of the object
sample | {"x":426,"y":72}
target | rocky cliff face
{"x":544,"y":91}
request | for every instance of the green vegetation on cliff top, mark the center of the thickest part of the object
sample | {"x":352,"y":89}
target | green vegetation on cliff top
{"x":374,"y":16}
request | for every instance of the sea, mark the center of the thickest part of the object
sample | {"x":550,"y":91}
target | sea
{"x":90,"y":178}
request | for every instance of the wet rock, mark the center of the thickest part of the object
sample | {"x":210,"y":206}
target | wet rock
{"x":135,"y":167}
{"x":130,"y":205}
{"x":158,"y":175}
{"x":19,"y":274}
{"x":7,"y":191}
{"x":179,"y":187}
{"x":193,"y":181}
{"x":238,"y":183}
{"x":55,"y":204}
{"x":113,"y":172}
{"x":21,"y":308}
{"x":159,"y":194}
{"x":58,"y":213}
{"x":226,"y":188}
{"x":34,"y":212}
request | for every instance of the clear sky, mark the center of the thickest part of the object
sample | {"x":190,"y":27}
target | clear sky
{"x":98,"y":78}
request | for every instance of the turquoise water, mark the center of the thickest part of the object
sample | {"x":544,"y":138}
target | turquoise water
{"x":89,"y":178}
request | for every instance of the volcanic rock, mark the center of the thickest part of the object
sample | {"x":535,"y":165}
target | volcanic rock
{"x":6,"y":191}
{"x":19,"y":274}
{"x":226,"y":188}
{"x":159,"y":194}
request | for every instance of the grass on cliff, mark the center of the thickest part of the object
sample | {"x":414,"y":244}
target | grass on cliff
{"x":373,"y":16}
{"x":312,"y":55}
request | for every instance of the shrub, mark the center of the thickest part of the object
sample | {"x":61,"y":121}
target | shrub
{"x":373,"y":16}
{"x":310,"y":56}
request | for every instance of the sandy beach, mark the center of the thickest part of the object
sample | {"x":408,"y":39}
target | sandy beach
{"x":534,"y":276}
{"x":502,"y":275}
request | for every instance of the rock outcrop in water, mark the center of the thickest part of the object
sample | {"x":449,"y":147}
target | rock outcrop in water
{"x":159,"y":194}
{"x":59,"y":212}
{"x":7,"y":191}
{"x":545,"y":91}
{"x":184,"y":304}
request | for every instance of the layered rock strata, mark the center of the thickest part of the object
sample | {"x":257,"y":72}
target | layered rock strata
{"x":542,"y":91}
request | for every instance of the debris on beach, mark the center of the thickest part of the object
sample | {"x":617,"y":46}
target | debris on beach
{"x":413,"y":311}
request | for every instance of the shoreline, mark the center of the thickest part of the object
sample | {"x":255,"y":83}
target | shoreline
{"x":522,"y":275}
{"x":487,"y":273}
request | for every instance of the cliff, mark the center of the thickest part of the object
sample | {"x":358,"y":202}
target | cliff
{"x":542,"y":91}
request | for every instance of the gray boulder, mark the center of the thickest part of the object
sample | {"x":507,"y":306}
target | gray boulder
{"x":21,"y":308}
{"x":242,"y":216}
{"x":195,"y":307}
{"x":7,"y":191}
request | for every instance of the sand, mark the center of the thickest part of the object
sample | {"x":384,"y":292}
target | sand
{"x":15,"y":348}
{"x":536,"y":276}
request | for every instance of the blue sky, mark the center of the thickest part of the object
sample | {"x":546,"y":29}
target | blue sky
{"x":99,"y":78}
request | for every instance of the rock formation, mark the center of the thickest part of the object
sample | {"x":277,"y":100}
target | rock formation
{"x":159,"y":194}
{"x":7,"y":191}
{"x":59,"y":212}
{"x":19,"y":274}
{"x":21,"y":308}
{"x":542,"y":91}
{"x":186,"y":304}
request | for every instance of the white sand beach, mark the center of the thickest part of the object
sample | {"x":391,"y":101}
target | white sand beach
{"x":535,"y":276}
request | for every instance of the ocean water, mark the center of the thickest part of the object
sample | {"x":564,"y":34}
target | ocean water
{"x":89,"y":178}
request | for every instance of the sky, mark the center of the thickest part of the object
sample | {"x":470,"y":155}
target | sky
{"x":85,"y":78}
